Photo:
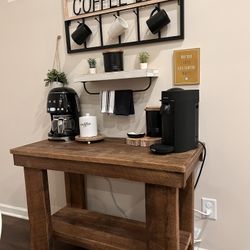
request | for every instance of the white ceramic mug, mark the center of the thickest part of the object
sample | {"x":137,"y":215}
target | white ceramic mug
{"x":118,"y":27}
{"x":88,"y":126}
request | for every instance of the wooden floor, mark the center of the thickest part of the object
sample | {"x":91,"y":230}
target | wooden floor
{"x":15,"y":236}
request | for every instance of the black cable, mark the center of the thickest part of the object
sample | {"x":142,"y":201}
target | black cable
{"x":202,"y":164}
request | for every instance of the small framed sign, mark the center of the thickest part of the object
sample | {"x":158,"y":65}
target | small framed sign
{"x":186,"y":66}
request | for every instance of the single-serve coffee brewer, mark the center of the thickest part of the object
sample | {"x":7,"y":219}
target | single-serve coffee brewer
{"x":179,"y":115}
{"x":64,"y":108}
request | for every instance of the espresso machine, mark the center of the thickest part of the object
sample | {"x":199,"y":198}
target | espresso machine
{"x":179,"y":115}
{"x":64,"y":109}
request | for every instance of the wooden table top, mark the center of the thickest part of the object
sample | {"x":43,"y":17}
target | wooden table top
{"x":113,"y":151}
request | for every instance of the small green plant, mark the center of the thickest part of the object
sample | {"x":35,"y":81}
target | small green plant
{"x":55,"y":76}
{"x":143,"y":57}
{"x":92,"y":62}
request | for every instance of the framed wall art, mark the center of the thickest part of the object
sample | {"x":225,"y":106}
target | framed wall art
{"x":186,"y":66}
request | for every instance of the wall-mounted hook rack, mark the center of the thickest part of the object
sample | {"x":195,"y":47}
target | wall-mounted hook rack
{"x":135,"y":7}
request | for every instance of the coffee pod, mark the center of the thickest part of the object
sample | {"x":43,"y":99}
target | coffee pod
{"x":88,"y":126}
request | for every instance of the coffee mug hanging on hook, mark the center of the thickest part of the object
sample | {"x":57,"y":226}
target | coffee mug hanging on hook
{"x":81,"y":34}
{"x":157,"y":20}
{"x":118,"y":27}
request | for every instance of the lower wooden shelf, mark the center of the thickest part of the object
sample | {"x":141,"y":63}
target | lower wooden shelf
{"x":97,"y":231}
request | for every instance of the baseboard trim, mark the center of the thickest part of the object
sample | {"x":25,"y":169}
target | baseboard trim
{"x":20,"y":212}
{"x":13,"y":211}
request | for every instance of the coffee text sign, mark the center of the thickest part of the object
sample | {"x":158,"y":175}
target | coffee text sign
{"x":186,"y":66}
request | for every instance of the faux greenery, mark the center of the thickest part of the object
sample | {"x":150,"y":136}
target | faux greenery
{"x":92,"y":62}
{"x":55,"y":76}
{"x":143,"y":57}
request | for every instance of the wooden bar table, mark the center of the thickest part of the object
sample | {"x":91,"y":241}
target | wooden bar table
{"x":169,"y":195}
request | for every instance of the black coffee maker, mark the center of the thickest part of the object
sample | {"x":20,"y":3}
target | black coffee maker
{"x":179,"y":114}
{"x":64,"y":108}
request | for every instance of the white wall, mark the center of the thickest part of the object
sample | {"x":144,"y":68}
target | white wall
{"x":220,"y":28}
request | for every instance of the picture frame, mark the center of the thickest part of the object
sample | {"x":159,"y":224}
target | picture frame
{"x":186,"y":66}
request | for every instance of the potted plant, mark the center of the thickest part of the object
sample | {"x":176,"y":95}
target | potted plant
{"x":92,"y":65}
{"x":143,"y":58}
{"x":54,"y":77}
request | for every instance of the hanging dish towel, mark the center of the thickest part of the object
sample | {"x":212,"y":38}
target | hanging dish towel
{"x":107,"y":101}
{"x":124,"y":102}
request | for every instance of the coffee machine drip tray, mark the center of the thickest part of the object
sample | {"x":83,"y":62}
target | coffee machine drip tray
{"x":60,"y":138}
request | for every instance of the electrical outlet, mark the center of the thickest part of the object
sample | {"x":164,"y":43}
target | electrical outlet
{"x":197,"y":232}
{"x":209,"y":205}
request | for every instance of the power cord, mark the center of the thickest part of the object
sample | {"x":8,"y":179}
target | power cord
{"x":113,"y":198}
{"x":202,"y":164}
{"x":197,"y":241}
{"x":207,"y":213}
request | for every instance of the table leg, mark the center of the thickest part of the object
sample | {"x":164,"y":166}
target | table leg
{"x":75,"y":190}
{"x":187,"y":209}
{"x":162,"y":217}
{"x":37,"y":192}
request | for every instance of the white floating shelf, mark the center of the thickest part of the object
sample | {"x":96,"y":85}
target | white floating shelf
{"x":140,"y":73}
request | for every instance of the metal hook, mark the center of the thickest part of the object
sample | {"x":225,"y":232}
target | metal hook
{"x":135,"y":12}
{"x":115,"y":15}
{"x":98,"y":20}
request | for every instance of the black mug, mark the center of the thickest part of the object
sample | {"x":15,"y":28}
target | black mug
{"x":81,"y":33}
{"x":157,"y":21}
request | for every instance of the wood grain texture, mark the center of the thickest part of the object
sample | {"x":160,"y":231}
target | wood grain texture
{"x":145,"y":141}
{"x":165,"y":176}
{"x":106,"y":170}
{"x":16,"y":236}
{"x":15,"y":228}
{"x":65,"y":9}
{"x":75,"y":190}
{"x":115,"y":9}
{"x":113,"y":152}
{"x":185,"y":240}
{"x":162,"y":218}
{"x":187,"y":209}
{"x":37,"y":192}
{"x":97,"y":231}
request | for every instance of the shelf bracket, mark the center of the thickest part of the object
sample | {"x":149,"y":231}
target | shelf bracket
{"x":135,"y":91}
{"x":90,"y":93}
{"x":149,"y":85}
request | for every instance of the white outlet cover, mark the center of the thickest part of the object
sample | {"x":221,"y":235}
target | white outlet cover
{"x":209,"y":204}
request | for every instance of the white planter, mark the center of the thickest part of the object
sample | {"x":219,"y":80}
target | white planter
{"x":56,"y":84}
{"x":143,"y":65}
{"x":92,"y":70}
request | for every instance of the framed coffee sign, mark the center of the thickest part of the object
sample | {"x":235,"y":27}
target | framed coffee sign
{"x":103,"y":24}
{"x":186,"y":66}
